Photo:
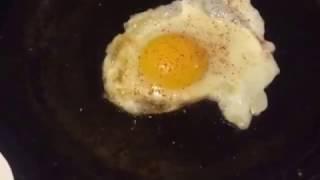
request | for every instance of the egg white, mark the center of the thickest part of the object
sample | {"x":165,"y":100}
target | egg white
{"x":241,"y":64}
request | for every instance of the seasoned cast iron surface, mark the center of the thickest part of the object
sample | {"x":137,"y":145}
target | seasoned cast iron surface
{"x":56,"y":125}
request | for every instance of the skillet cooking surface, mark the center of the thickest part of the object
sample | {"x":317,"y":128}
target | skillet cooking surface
{"x":56,"y":124}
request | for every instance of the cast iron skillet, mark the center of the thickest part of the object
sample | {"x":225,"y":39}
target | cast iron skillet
{"x":56,"y":125}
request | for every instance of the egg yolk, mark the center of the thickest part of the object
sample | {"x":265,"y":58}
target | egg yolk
{"x":173,"y":61}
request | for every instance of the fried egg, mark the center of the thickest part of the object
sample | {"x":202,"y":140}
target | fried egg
{"x":188,"y":51}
